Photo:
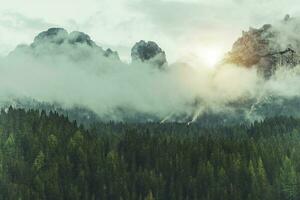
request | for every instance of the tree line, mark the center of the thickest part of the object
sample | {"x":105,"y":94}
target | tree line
{"x":47,"y":156}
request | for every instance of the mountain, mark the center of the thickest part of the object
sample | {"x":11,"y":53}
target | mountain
{"x":148,"y":52}
{"x":268,"y":47}
{"x":56,"y":47}
{"x":57,"y":42}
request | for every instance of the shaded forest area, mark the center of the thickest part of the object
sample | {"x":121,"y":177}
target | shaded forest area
{"x":45,"y":156}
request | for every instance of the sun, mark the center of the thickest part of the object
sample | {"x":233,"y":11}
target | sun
{"x":210,"y":56}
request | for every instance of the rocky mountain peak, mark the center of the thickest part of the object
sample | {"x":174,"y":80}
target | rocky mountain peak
{"x":58,"y":41}
{"x":81,"y":38}
{"x":267,"y":47}
{"x":148,"y":52}
{"x":53,"y":35}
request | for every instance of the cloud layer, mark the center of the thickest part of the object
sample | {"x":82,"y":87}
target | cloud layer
{"x":57,"y":71}
{"x":82,"y":76}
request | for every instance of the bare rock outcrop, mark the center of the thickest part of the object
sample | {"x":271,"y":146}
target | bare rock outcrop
{"x":148,"y":52}
{"x":268,"y":47}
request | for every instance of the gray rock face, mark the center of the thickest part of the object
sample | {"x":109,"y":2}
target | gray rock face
{"x":81,"y":38}
{"x":52,"y":35}
{"x":59,"y":41}
{"x":111,"y":54}
{"x":267,"y":48}
{"x":148,"y":52}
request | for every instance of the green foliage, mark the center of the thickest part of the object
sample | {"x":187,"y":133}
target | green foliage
{"x":45,"y":156}
{"x":39,"y":161}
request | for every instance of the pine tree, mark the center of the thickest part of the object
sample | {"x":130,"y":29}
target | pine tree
{"x":149,"y":196}
{"x":288,"y":180}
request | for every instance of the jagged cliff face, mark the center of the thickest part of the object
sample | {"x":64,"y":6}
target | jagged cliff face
{"x":57,"y":41}
{"x":148,"y":52}
{"x":78,"y":46}
{"x":268,"y":47}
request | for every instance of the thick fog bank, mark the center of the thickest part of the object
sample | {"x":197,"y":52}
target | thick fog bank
{"x":71,"y":70}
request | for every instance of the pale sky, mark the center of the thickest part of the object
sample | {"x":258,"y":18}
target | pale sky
{"x":178,"y":26}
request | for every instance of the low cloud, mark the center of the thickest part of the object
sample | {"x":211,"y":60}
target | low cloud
{"x":79,"y":75}
{"x":106,"y":86}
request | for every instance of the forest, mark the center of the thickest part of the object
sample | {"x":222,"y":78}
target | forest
{"x":47,"y":156}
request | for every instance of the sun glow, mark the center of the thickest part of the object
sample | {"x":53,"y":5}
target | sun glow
{"x":210,"y":56}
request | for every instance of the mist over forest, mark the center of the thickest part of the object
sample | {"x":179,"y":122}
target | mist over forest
{"x":252,"y":81}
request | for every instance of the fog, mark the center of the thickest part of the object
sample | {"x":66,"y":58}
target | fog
{"x":104,"y":85}
{"x":80,"y":76}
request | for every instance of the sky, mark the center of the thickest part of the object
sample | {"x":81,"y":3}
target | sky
{"x":180,"y":27}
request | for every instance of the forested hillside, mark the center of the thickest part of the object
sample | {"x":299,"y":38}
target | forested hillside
{"x":45,"y":156}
